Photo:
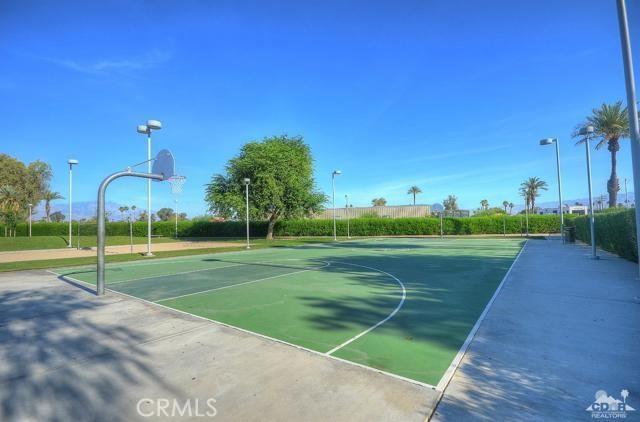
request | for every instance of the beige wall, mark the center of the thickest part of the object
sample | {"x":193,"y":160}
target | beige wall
{"x":400,"y":211}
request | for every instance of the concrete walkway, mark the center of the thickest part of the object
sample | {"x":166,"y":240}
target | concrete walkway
{"x":563,"y":327}
{"x":67,"y":355}
{"x":61,"y":253}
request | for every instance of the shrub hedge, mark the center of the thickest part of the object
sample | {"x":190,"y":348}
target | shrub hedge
{"x":615,"y":232}
{"x":358,"y":227}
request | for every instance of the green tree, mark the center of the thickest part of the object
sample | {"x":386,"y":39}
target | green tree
{"x":531,"y":188}
{"x":450,"y":203}
{"x":484,"y":204}
{"x":505,"y":204}
{"x":30,"y":181}
{"x":165,"y":214}
{"x":282,"y":186}
{"x":10,"y":206}
{"x":414,"y":190}
{"x":378,"y":202}
{"x":511,"y":205}
{"x":57,"y":217}
{"x":610,"y":123}
{"x":48,"y":197}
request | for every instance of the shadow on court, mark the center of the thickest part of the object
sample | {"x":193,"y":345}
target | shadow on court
{"x":57,"y":364}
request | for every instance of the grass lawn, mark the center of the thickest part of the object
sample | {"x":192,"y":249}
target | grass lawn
{"x":70,"y":262}
{"x":55,"y":242}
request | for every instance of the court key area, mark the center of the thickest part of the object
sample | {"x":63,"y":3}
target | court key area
{"x":404,"y":306}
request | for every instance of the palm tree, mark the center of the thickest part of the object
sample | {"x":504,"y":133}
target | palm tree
{"x":484,"y":204}
{"x":133,"y":209}
{"x":378,"y":202}
{"x":122,"y":210}
{"x":451,"y":203}
{"x":610,"y":123}
{"x":505,"y":204}
{"x":414,"y":190}
{"x":49,"y":196}
{"x":511,"y":205}
{"x":531,"y":188}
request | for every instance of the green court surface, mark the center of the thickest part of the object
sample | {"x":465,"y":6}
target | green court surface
{"x":400,"y":305}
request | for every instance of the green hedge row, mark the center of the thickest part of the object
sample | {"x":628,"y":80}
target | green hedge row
{"x":358,"y":227}
{"x":615,"y":232}
{"x":420,"y":226}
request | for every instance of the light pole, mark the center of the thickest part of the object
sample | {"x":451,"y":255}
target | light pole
{"x":176,"y":213}
{"x":247,"y":181}
{"x":549,"y":141}
{"x":346,"y":208}
{"x":333,"y":186}
{"x":72,"y":162}
{"x":146,"y":129}
{"x":632,"y":109}
{"x":626,"y":194}
{"x":587,"y":132}
{"x":30,"y":213}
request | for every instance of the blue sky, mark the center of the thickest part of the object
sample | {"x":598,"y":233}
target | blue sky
{"x":450,"y":95}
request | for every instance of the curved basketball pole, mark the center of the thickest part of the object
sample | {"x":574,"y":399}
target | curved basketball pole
{"x":101,"y":223}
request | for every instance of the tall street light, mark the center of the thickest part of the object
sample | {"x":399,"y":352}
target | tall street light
{"x":333,"y":186}
{"x":587,"y":132}
{"x":549,"y":141}
{"x":246,"y":181}
{"x":30,"y":214}
{"x":176,"y":215}
{"x":146,"y":129}
{"x":346,"y":208}
{"x":632,"y":108}
{"x":72,"y":162}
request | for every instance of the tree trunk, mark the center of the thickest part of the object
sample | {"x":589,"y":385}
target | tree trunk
{"x":414,"y":199}
{"x":47,"y":209}
{"x":613,"y":185}
{"x":271,"y":225}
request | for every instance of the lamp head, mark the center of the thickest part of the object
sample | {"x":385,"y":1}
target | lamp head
{"x":587,"y":130}
{"x":547,"y":141}
{"x":154,"y":125}
{"x":246,"y":180}
{"x":72,"y":161}
{"x":336,"y":173}
{"x":30,"y":205}
{"x":143,"y":129}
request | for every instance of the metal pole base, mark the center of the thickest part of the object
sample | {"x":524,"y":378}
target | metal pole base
{"x":149,"y":254}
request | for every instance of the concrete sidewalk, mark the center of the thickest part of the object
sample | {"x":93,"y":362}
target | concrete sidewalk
{"x":61,"y":253}
{"x":68,"y":355}
{"x":563,"y":327}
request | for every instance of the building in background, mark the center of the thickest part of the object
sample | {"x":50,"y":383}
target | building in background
{"x":396,"y":211}
{"x":568,"y":209}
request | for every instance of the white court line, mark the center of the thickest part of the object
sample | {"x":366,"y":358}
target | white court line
{"x":242,"y":284}
{"x":373,"y":327}
{"x":170,"y":274}
{"x":233,"y":327}
{"x":448,"y":375}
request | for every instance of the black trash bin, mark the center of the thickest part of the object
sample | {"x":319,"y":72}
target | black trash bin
{"x":570,"y":234}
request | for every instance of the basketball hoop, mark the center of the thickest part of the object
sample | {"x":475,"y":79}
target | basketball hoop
{"x":176,"y":182}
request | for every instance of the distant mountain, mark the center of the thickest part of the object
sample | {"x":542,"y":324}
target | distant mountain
{"x":85,"y":209}
{"x":583,"y":201}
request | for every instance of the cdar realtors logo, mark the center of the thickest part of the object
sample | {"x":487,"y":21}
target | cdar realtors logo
{"x":608,"y":407}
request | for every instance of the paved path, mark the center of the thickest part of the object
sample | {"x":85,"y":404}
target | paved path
{"x":563,"y":327}
{"x":68,"y":355}
{"x":34,"y":255}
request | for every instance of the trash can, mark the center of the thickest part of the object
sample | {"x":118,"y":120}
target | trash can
{"x":570,"y":234}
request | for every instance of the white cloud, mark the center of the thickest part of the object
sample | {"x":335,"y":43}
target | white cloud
{"x":104,"y":66}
